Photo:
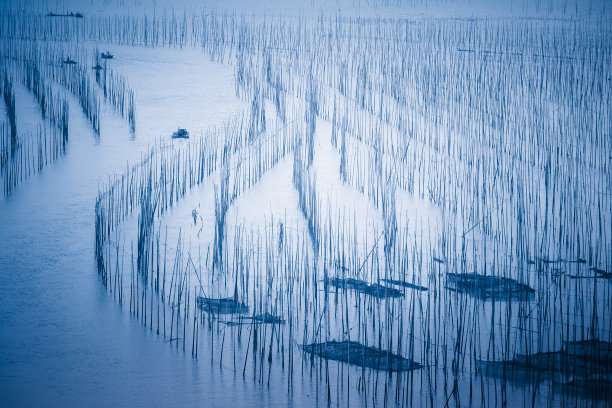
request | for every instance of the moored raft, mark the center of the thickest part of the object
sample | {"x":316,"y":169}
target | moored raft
{"x":361,"y":355}
{"x":221,"y":305}
{"x":364,"y":287}
{"x":488,"y":287}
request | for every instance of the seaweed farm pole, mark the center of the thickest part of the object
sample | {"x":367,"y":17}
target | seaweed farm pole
{"x":132,"y":277}
{"x":247,"y":352}
{"x":163,"y":299}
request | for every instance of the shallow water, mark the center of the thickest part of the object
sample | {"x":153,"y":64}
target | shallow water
{"x":65,"y":341}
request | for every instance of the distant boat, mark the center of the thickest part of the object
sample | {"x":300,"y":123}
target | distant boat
{"x":180,"y":134}
{"x":68,"y":61}
{"x":71,"y":14}
{"x":106,"y":55}
{"x":98,"y":67}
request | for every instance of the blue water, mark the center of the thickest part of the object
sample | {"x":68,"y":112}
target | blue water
{"x":65,"y":340}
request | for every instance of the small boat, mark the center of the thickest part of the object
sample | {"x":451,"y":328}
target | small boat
{"x":106,"y":55}
{"x":71,"y":14}
{"x":98,"y":67}
{"x":180,"y":134}
{"x":69,"y":61}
